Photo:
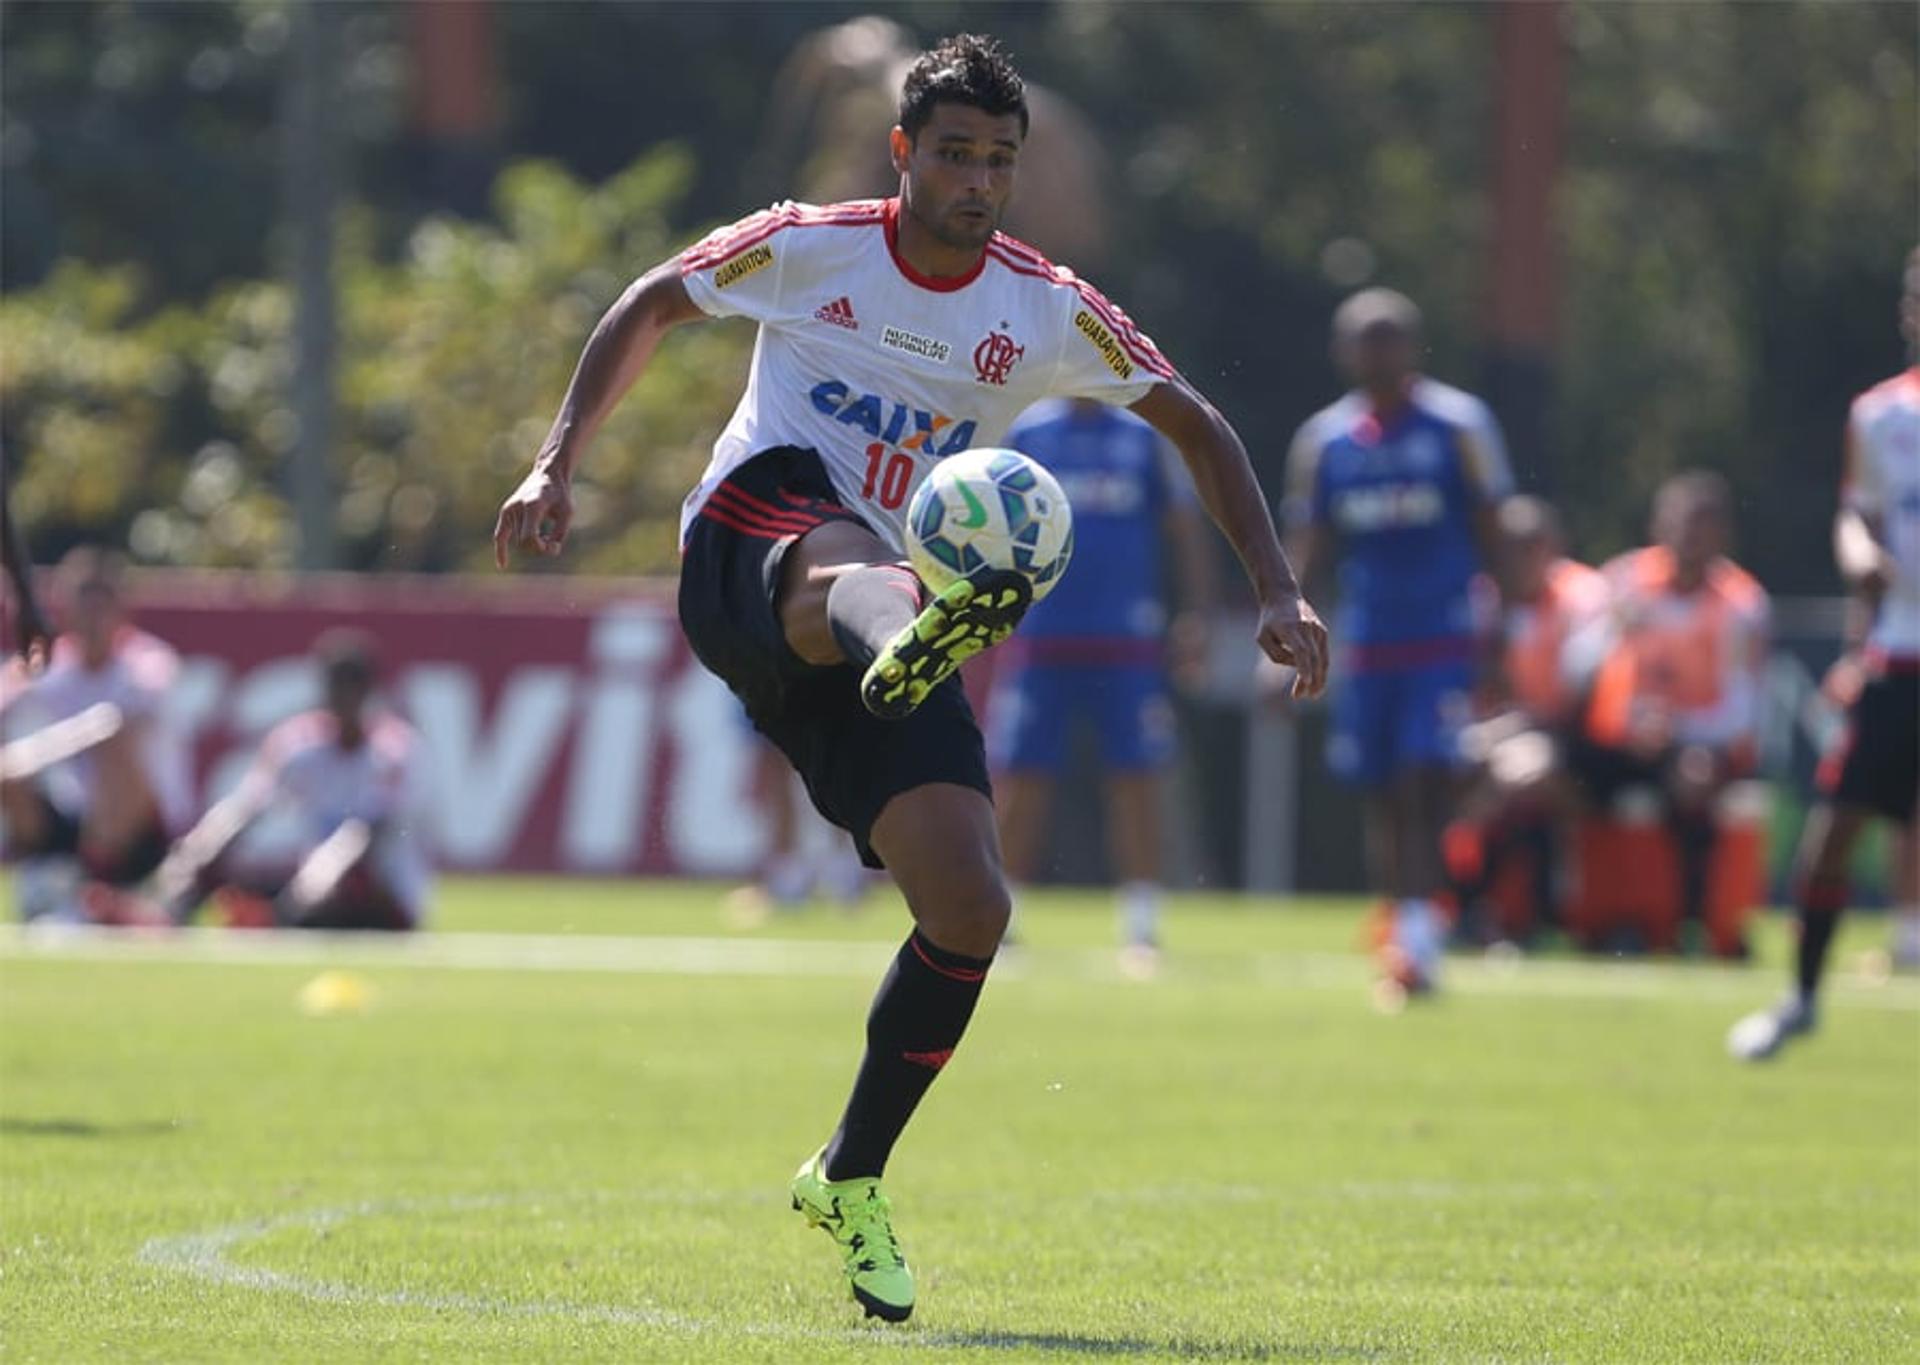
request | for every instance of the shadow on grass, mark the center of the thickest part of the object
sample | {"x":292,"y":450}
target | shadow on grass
{"x":1069,"y":1343}
{"x":86,"y":1128}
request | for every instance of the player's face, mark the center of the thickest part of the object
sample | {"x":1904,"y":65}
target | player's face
{"x":1379,"y":360}
{"x":958,"y":174}
{"x":93,"y":614}
{"x":346,"y":696}
{"x":1529,"y":558}
{"x":1693,"y":529}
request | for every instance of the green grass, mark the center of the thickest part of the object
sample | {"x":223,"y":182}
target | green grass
{"x":1240,"y":1161}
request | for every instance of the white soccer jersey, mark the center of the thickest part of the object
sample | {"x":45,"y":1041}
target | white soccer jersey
{"x":884,"y":371}
{"x":136,"y":678}
{"x":383,"y":782}
{"x":1883,"y":483}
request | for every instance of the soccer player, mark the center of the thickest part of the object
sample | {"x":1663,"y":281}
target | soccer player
{"x":1874,"y":771}
{"x":353,"y":776}
{"x":1400,"y":479}
{"x":1520,"y":797}
{"x":1674,"y":702}
{"x":891,"y":333}
{"x":1094,"y":652}
{"x":94,"y":794}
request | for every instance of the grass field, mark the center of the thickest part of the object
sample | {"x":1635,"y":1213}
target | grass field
{"x":562,"y":1128}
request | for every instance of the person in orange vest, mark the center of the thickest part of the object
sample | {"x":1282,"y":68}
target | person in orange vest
{"x":1519,"y":796}
{"x":1675,"y":665}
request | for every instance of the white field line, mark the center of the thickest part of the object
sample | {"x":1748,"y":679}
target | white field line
{"x":204,"y":1256}
{"x":865,"y":960}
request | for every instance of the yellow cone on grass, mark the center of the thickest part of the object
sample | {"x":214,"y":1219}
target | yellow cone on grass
{"x":336,"y":992}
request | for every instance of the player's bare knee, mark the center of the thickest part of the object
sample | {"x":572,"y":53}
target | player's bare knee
{"x":969,"y":915}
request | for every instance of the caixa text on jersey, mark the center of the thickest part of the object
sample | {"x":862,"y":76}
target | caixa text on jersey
{"x":898,"y":424}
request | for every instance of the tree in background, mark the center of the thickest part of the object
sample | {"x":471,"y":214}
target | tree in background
{"x":1737,"y":197}
{"x":166,"y":430}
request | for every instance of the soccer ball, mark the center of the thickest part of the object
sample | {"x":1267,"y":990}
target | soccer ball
{"x":989,"y":509}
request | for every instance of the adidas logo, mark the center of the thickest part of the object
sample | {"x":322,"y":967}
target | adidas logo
{"x":839,"y":313}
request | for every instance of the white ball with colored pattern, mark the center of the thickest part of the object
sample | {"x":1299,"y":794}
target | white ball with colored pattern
{"x":989,"y":509}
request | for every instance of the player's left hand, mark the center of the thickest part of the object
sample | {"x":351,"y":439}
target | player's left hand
{"x":1291,"y":633}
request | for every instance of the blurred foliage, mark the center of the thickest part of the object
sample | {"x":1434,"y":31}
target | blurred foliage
{"x":1738,"y":195}
{"x":168,"y":429}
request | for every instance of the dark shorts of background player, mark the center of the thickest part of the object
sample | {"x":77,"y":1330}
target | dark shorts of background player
{"x":1875,"y":764}
{"x":133,"y":864}
{"x":1602,"y":771}
{"x":852,"y":761}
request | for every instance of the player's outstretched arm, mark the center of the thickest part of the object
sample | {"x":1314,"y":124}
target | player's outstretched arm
{"x":1290,"y":631}
{"x":536,"y":515}
{"x":179,"y":882}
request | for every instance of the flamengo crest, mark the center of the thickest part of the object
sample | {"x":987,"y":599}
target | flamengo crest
{"x":995,"y":357}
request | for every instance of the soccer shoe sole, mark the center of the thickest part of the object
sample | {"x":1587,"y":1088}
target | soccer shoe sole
{"x":972,"y":615}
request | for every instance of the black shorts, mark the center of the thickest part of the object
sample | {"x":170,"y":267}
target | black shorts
{"x":1876,"y":762}
{"x":132,"y":865}
{"x":851,"y":760}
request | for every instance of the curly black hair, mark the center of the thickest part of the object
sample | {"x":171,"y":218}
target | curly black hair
{"x":967,"y":68}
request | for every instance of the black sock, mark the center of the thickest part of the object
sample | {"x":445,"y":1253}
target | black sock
{"x":1536,"y":840}
{"x":1820,"y":905}
{"x":917,"y":1018}
{"x":868,"y":607}
{"x":1695,"y":834}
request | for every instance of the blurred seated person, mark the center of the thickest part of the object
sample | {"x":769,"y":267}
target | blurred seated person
{"x":1517,"y":797}
{"x":95,"y":780}
{"x":352,"y":776}
{"x":1673,"y":702}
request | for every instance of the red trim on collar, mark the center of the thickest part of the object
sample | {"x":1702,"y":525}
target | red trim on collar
{"x":939,"y":284}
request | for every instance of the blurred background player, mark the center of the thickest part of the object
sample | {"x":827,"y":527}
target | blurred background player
{"x":95,"y":782}
{"x":806,"y":857}
{"x":1674,"y":698}
{"x":1399,"y":480}
{"x":1519,"y":799}
{"x":1875,"y":768}
{"x":1093,"y":654}
{"x":352,"y":776}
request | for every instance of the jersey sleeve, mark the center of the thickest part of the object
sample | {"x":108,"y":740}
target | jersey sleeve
{"x":745,"y":270}
{"x":1103,"y":355}
{"x":1483,"y":453}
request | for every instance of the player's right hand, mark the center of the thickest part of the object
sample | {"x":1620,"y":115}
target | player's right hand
{"x":534,"y":517}
{"x":1291,"y":633}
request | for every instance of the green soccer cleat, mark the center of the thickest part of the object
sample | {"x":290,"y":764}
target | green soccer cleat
{"x":967,"y":617}
{"x":857,"y":1216}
